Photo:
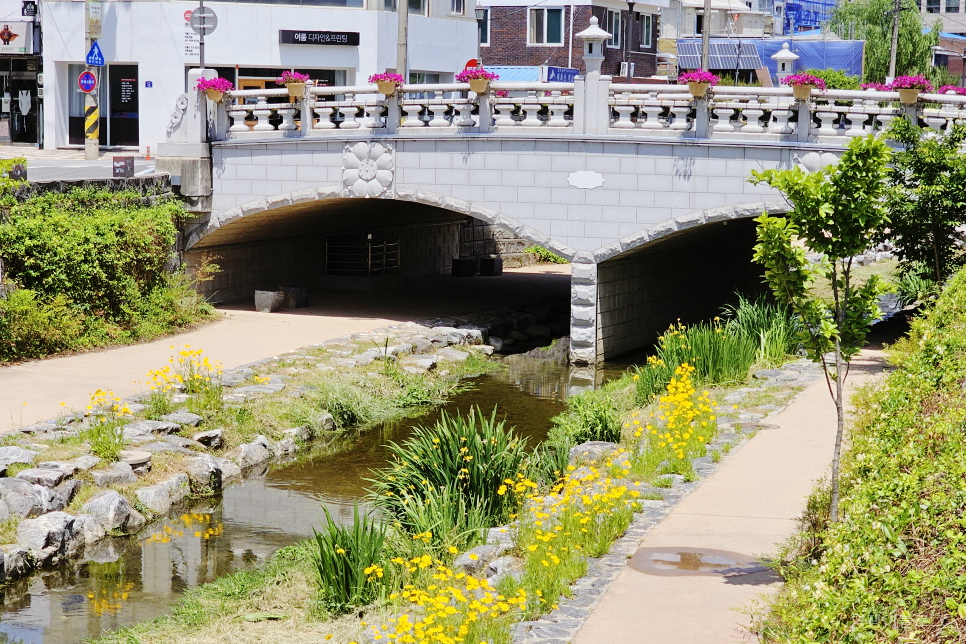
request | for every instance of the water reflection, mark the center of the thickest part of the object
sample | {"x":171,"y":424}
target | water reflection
{"x":123,"y":581}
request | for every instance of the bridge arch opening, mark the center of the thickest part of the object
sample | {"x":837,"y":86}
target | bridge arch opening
{"x":321,"y":243}
{"x":684,"y":275}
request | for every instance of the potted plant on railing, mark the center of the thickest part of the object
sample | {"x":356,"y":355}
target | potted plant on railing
{"x":876,"y":87}
{"x":215,"y":88}
{"x":802,"y":85}
{"x":479,"y":79}
{"x":909,"y":88}
{"x":294,"y":82}
{"x":952,"y":89}
{"x":387,"y":83}
{"x":698,"y":82}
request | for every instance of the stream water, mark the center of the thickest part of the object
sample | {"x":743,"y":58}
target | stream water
{"x":129,"y":580}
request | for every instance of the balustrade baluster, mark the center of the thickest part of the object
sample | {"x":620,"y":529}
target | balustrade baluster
{"x":288,"y":118}
{"x":827,"y":119}
{"x":753,"y":114}
{"x":779,"y":123}
{"x":438,"y":108}
{"x":680,"y":117}
{"x":653,"y":117}
{"x":374,"y":119}
{"x":557,"y":112}
{"x":262,"y":112}
{"x":724,"y":112}
{"x":348,"y":113}
{"x":324,"y":112}
{"x":857,"y":116}
{"x":503,"y":115}
{"x":624,"y":113}
{"x":412,"y":115}
{"x":531,"y":109}
{"x":238,"y":115}
{"x":465,"y":118}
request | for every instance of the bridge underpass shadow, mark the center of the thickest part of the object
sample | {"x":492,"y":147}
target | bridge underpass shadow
{"x":686,"y":277}
{"x":440,"y":296}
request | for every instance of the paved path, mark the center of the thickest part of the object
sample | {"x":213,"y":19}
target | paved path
{"x":748,"y":506}
{"x":33,"y":391}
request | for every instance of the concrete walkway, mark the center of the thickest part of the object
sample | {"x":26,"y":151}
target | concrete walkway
{"x":747,"y":507}
{"x":33,"y":391}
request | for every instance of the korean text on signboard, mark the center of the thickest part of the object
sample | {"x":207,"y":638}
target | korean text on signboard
{"x":561,"y":74}
{"x":289,"y":37}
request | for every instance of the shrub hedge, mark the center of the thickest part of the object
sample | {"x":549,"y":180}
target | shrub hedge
{"x":894,"y":567}
{"x":87,"y":268}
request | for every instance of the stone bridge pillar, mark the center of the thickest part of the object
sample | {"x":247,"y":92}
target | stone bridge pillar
{"x":583,"y":314}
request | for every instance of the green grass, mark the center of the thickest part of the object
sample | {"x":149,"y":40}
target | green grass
{"x":891,"y":569}
{"x":545,"y":256}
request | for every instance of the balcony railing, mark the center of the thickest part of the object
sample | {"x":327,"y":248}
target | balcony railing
{"x":634,"y":110}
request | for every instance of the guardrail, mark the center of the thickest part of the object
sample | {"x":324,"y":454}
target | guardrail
{"x":769,"y":113}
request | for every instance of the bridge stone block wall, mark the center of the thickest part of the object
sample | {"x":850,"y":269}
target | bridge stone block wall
{"x":480,"y":239}
{"x":592,"y":199}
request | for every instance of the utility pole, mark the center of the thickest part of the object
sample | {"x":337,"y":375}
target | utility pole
{"x":201,"y":35}
{"x":402,"y":39}
{"x":706,"y":35}
{"x":895,"y":41}
{"x":92,"y":117}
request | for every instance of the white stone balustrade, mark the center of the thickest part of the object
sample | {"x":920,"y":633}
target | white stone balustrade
{"x":756,"y":113}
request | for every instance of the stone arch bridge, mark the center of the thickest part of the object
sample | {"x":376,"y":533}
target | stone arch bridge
{"x":643,"y":188}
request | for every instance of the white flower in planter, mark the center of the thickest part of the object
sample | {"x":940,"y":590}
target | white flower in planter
{"x":367,"y":170}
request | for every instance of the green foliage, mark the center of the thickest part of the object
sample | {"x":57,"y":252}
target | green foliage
{"x":103,"y":250}
{"x":6,"y":183}
{"x":590,"y":416}
{"x":348,"y":560}
{"x":472,"y":456}
{"x":769,"y":325}
{"x":929,"y":202}
{"x":544,"y":255}
{"x":892,"y":571}
{"x":440,"y":519}
{"x":871,"y":21}
{"x":914,"y":283}
{"x":835,"y":78}
{"x":836,"y":211}
{"x":90,"y":268}
{"x":33,"y":328}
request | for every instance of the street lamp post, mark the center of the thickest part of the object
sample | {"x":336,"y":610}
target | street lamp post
{"x":480,"y":17}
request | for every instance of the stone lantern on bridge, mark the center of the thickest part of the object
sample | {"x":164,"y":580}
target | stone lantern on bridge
{"x":784,"y":62}
{"x":591,"y":90}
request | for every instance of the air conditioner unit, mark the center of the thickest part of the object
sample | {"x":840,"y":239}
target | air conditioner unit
{"x":40,"y":92}
{"x":627,"y":70}
{"x":40,"y":79}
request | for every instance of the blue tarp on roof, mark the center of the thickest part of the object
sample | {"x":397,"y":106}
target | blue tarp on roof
{"x":845,"y":55}
{"x":516,"y":74}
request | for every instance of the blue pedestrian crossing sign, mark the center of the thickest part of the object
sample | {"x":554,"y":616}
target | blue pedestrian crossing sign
{"x":95,"y":57}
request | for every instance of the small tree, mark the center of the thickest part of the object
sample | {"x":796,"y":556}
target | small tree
{"x":835,"y":211}
{"x":930,"y":199}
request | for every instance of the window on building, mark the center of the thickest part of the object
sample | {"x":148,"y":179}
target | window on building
{"x":546,"y":27}
{"x":952,"y":6}
{"x":416,"y":7}
{"x":485,"y":28}
{"x":932,"y":6}
{"x":457,"y":7}
{"x":613,"y":27}
{"x":645,"y":22}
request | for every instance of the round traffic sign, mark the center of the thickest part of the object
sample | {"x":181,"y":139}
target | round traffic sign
{"x":203,"y":19}
{"x":87,"y":82}
{"x":187,"y":15}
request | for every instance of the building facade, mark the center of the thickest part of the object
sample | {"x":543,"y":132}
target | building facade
{"x":543,"y":34}
{"x":952,"y":14}
{"x":149,"y":47}
{"x":20,"y":69}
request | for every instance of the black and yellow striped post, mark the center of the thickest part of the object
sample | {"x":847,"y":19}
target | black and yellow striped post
{"x":92,"y":122}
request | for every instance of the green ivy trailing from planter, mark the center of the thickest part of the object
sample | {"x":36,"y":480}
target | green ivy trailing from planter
{"x":892,"y":568}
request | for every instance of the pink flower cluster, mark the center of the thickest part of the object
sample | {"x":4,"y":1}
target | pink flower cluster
{"x":219,"y":84}
{"x":291,"y":77}
{"x":912,"y":82}
{"x":804,"y":79}
{"x":386,"y":78}
{"x":952,"y":89}
{"x":879,"y":87}
{"x":475,"y":74}
{"x":699,"y":76}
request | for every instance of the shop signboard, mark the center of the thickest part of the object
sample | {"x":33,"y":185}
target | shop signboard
{"x":559,"y":74}
{"x":15,"y":37}
{"x":290,"y":37}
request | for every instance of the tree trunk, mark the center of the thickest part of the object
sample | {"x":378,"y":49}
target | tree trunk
{"x":839,"y":431}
